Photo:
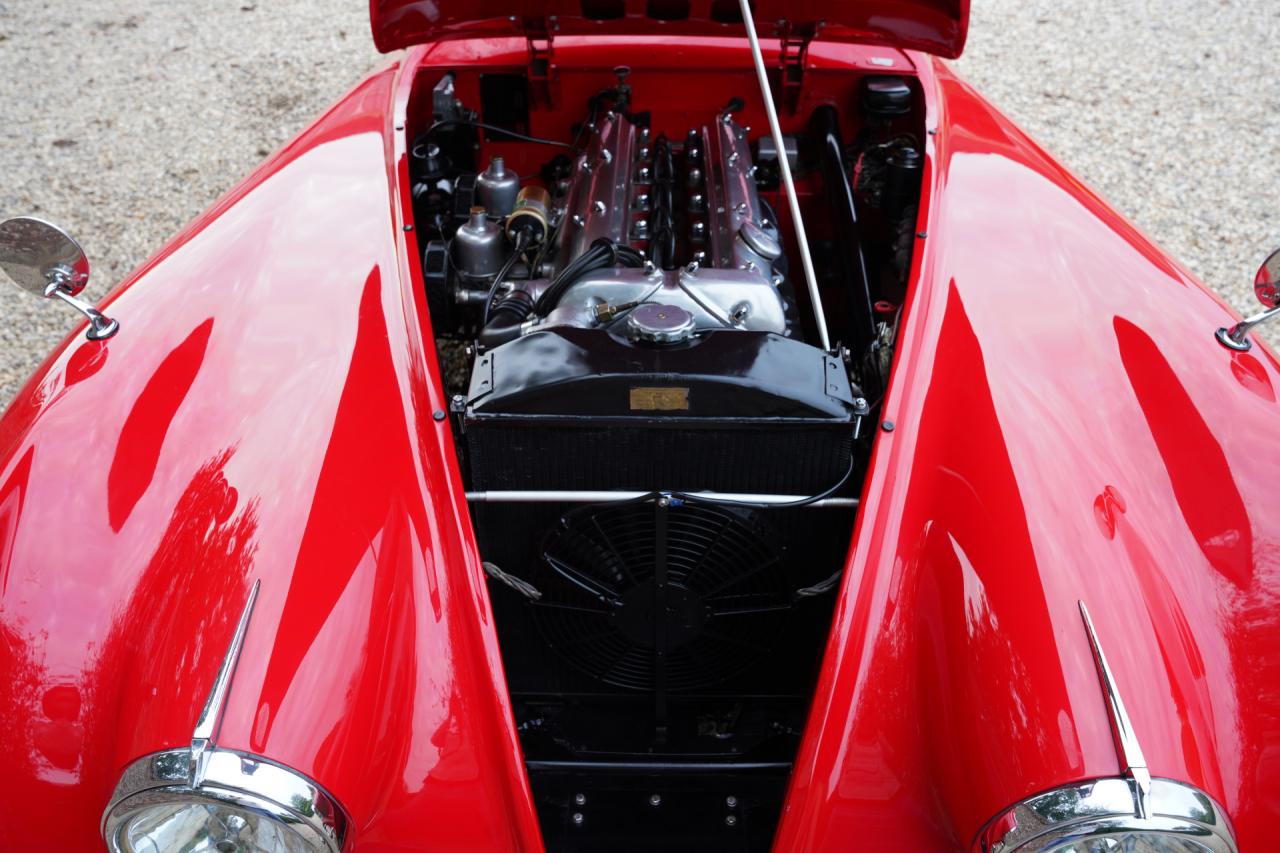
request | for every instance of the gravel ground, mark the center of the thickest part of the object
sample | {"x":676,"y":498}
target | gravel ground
{"x":123,"y":120}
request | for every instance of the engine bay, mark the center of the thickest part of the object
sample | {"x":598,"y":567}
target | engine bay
{"x":662,"y":457}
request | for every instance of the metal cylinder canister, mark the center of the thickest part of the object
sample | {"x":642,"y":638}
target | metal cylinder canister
{"x":496,"y":188}
{"x":479,"y":245}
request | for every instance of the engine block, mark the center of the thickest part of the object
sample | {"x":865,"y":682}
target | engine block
{"x":713,"y":251}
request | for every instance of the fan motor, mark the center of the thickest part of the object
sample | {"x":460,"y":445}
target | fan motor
{"x":662,"y":593}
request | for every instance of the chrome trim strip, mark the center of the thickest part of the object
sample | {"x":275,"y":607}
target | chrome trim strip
{"x":1128,"y":750}
{"x":802,"y":239}
{"x":1103,"y":810}
{"x":582,"y":496}
{"x":236,"y":779}
{"x":210,"y":719}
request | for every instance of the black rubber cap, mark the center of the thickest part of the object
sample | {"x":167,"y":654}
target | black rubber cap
{"x":885,"y":96}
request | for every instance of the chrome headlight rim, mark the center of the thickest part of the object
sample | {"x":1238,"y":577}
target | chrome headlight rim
{"x":1108,"y":807}
{"x":235,"y":779}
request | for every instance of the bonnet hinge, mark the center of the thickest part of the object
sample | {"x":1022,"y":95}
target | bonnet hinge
{"x":543,"y":79}
{"x":793,"y":51}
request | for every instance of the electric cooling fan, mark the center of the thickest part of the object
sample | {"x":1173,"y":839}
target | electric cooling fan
{"x":644,"y":596}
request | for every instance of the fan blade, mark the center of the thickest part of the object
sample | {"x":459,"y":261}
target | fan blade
{"x":583,"y":581}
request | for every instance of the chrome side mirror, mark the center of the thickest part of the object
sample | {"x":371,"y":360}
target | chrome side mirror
{"x":1266,"y":286}
{"x":45,"y":261}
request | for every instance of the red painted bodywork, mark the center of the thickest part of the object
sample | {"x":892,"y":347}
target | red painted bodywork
{"x":934,"y":26}
{"x":1065,"y":428}
{"x":268,"y":414}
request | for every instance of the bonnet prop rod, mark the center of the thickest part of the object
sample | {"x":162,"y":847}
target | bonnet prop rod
{"x":806,"y":260}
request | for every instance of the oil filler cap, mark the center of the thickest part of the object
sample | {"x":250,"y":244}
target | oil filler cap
{"x":655,"y":323}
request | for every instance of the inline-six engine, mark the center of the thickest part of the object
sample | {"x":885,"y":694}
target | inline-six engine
{"x":647,"y":239}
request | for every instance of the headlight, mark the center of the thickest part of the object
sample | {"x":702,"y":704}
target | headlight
{"x":1100,"y":817}
{"x":241,"y":804}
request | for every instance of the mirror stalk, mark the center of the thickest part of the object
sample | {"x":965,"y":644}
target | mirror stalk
{"x":100,"y":326}
{"x":1234,"y":338}
{"x":1266,"y":286}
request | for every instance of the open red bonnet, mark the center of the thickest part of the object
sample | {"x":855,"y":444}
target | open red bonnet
{"x":934,"y":26}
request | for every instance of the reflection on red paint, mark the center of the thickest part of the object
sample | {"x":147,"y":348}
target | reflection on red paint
{"x":58,"y":738}
{"x":1105,"y":509}
{"x":332,"y":549}
{"x":1202,"y":480}
{"x":11,"y":496}
{"x":138,"y":448}
{"x":1251,"y":375}
{"x":87,"y":360}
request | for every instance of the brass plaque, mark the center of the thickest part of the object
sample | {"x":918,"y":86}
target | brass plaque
{"x":659,"y":399}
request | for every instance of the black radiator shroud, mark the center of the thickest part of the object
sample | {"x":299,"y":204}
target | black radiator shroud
{"x":661,"y":679}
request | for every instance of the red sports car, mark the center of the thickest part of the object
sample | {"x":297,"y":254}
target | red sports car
{"x":644,"y":425}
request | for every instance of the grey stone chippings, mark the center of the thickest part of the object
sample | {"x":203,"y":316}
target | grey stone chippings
{"x":1169,"y":111}
{"x":124,"y":120}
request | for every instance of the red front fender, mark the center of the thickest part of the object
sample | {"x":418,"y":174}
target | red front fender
{"x":266,"y":412}
{"x":1065,"y":428}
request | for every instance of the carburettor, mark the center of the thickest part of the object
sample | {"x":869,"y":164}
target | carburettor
{"x":712,"y":249}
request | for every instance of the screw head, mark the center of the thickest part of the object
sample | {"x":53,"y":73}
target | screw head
{"x":438,"y":415}
{"x":655,"y":800}
{"x":579,"y":799}
{"x":730,"y":820}
{"x":577,"y":818}
{"x":731,"y":801}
